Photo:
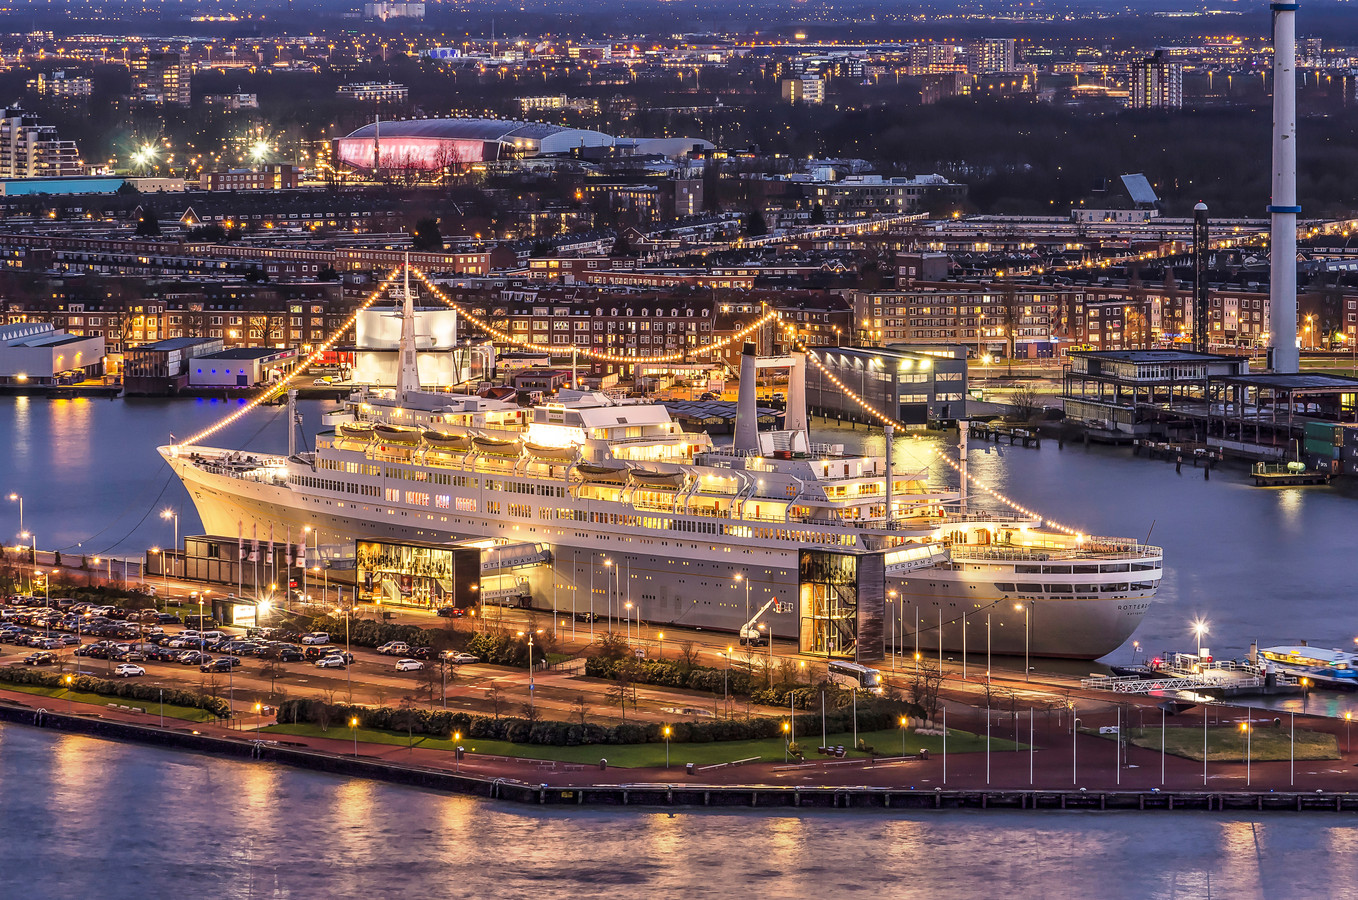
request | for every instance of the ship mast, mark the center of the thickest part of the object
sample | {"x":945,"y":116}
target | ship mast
{"x":408,"y":376}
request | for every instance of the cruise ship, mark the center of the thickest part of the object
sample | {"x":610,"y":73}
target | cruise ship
{"x":606,"y":506}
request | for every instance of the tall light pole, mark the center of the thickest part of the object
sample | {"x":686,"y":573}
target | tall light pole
{"x":171,"y":514}
{"x":1027,"y":633}
{"x":13,"y":497}
{"x":740,"y":577}
{"x":531,"y":667}
{"x":1199,"y":629}
{"x":608,"y":589}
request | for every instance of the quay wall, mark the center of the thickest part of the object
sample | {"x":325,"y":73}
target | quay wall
{"x":677,"y":794}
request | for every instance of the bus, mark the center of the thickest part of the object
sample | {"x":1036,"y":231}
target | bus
{"x":853,"y":675}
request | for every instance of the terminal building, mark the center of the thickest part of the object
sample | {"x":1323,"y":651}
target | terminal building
{"x":915,"y":387}
{"x":240,"y":367}
{"x":38,"y":353}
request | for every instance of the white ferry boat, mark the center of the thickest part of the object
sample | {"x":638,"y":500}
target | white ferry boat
{"x":620,"y":505}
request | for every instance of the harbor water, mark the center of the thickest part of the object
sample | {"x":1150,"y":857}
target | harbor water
{"x":82,"y":817}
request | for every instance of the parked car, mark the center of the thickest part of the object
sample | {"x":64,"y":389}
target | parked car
{"x":128,"y":670}
{"x":330,"y":662}
{"x":314,"y":652}
{"x":220,"y":664}
{"x":394,"y":648}
{"x":290,"y":655}
{"x":452,"y":612}
{"x":408,"y":665}
{"x":459,"y":659}
{"x":192,"y":658}
{"x":586,"y":617}
{"x":316,"y":637}
{"x":41,"y":658}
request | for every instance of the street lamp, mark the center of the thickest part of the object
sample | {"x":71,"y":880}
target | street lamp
{"x":1247,"y":732}
{"x":608,"y":589}
{"x":628,"y":607}
{"x":660,"y":636}
{"x":787,"y":740}
{"x":457,"y":751}
{"x":1199,"y":629}
{"x":667,"y":746}
{"x":1027,"y":634}
{"x":168,"y":514}
{"x":13,"y":497}
{"x":67,"y":681}
{"x":1348,"y":736}
{"x":529,"y":635}
{"x":353,"y":728}
{"x":740,"y":577}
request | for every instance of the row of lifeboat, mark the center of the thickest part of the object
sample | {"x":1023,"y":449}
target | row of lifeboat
{"x":396,"y":434}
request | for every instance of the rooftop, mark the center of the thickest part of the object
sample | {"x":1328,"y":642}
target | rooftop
{"x":247,"y":353}
{"x":1301,"y":381}
{"x":1152,"y":356}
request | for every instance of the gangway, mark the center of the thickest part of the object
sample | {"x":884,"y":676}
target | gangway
{"x":913,"y":557}
{"x":505,"y":590}
{"x":1135,"y":684}
{"x":514,"y":556}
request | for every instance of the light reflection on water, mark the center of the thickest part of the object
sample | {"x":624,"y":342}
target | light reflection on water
{"x":81,"y":817}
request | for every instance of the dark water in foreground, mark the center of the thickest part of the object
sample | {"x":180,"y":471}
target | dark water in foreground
{"x":84,"y":818}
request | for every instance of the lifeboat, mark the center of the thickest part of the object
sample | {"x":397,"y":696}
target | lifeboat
{"x":447,"y":441}
{"x":538,"y":450}
{"x":609,"y":474}
{"x":496,"y":446}
{"x":392,"y":434}
{"x":666,"y":480}
{"x":357,"y":431}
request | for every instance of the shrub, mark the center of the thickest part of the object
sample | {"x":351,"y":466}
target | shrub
{"x":125,"y":688}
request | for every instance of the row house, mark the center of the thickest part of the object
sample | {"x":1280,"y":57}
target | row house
{"x":993,"y":318}
{"x":617,"y":323}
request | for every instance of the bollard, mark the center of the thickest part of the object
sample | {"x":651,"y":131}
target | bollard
{"x":688,"y":768}
{"x":603,"y":764}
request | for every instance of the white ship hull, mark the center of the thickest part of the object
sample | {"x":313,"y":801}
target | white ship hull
{"x":684,"y":582}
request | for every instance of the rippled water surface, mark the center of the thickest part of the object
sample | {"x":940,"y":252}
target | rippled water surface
{"x":85,"y":818}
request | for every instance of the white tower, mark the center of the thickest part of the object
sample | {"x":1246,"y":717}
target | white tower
{"x":408,"y":375}
{"x":1282,"y":291}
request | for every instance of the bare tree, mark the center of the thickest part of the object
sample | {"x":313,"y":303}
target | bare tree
{"x":924,"y":689}
{"x":623,"y":688}
{"x":530,"y":712}
{"x":579,"y":708}
{"x":688,"y":655}
{"x":496,"y":698}
{"x":1026,"y":402}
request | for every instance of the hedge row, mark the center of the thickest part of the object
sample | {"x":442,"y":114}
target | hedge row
{"x":442,"y":723}
{"x":125,"y":687}
{"x":737,"y":683}
{"x":873,"y":715}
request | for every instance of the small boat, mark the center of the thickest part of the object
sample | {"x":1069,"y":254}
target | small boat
{"x":1323,"y":668}
{"x":610,"y":474}
{"x":667,"y":480}
{"x":448,"y":441}
{"x":542,"y":452}
{"x":393,"y":434}
{"x":496,"y":446}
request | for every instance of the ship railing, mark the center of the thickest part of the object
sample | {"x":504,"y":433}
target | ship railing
{"x":1040,"y":554}
{"x":1007,"y":518}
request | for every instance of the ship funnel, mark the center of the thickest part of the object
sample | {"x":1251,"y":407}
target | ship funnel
{"x":794,"y":418}
{"x":747,"y":409}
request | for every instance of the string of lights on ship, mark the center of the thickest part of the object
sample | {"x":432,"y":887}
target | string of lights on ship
{"x":281,"y":386}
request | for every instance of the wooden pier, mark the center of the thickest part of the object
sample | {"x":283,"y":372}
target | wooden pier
{"x":989,"y":432}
